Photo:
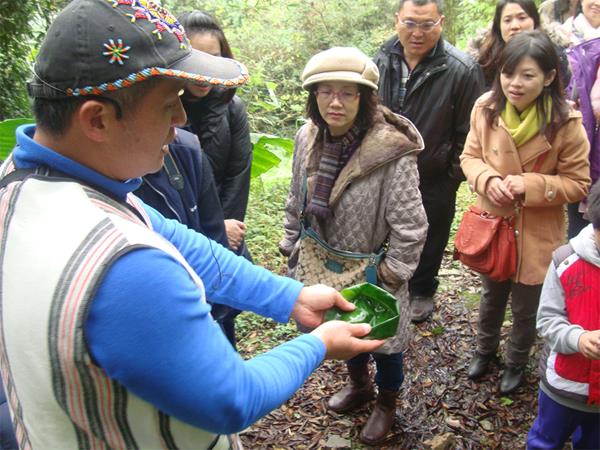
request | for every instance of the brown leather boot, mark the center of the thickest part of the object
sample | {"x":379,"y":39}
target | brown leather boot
{"x":381,"y":419}
{"x":358,"y":392}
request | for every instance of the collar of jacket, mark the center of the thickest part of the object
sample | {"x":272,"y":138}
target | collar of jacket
{"x":437,"y":54}
{"x":197,"y":109}
{"x":390,"y":138}
{"x":531,"y":149}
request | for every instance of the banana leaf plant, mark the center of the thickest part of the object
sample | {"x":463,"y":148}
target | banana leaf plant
{"x":265,"y":149}
{"x":264,"y":146}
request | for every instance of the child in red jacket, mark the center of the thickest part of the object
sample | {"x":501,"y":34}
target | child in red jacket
{"x":569,"y":320}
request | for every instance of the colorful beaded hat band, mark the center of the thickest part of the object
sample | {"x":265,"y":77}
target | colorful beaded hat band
{"x":159,"y":72}
{"x":123,"y":42}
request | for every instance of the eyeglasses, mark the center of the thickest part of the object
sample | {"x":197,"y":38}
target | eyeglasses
{"x":327,"y":95}
{"x":426,"y":26}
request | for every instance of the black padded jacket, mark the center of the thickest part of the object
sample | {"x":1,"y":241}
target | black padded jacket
{"x":440,"y":94}
{"x":223,"y":131}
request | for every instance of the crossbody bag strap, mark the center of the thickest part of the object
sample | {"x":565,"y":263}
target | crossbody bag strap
{"x":16,"y":175}
{"x":373,"y":259}
{"x":540,"y":160}
{"x":304,"y":193}
{"x":536,"y":168}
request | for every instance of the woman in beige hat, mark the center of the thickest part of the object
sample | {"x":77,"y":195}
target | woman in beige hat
{"x":355,"y":184}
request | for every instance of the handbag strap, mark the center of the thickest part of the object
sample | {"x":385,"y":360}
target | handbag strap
{"x":307,"y":230}
{"x":540,"y":161}
{"x":304,"y":190}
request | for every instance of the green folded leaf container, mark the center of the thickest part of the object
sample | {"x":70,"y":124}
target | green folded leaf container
{"x":374,"y":306}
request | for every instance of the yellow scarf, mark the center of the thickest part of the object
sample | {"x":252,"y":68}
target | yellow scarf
{"x":522,"y":127}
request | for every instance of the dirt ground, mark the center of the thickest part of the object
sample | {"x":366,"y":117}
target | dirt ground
{"x":437,"y":400}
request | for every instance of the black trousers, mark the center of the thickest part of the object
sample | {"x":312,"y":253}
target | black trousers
{"x":576,"y":220}
{"x":439,"y":200}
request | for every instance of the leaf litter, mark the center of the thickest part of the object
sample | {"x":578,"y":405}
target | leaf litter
{"x":438,"y":406}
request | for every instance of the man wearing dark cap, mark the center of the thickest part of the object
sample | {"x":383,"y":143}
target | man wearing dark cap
{"x":106,"y":337}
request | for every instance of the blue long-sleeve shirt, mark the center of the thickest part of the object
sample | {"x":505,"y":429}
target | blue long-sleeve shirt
{"x":148,"y":329}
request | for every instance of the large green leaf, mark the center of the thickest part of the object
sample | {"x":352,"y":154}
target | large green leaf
{"x":8,"y":139}
{"x":265,"y":148}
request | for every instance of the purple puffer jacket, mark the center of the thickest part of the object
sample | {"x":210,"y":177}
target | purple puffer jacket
{"x":584,"y":59}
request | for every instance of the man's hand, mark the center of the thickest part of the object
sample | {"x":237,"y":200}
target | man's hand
{"x":314,"y":301}
{"x":589,"y":344}
{"x":236,"y":231}
{"x":342,"y":339}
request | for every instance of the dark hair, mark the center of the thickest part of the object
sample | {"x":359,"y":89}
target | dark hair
{"x":199,"y":22}
{"x":54,"y":115}
{"x":438,"y":3}
{"x":493,"y":44}
{"x":367,"y":108}
{"x":538,"y":46}
{"x":563,"y":6}
{"x":593,"y":205}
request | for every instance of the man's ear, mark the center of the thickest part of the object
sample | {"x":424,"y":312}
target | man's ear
{"x":95,"y":119}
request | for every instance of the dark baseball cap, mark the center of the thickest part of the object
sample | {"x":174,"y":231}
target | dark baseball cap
{"x":97,"y":46}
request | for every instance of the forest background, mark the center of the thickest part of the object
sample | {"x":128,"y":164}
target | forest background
{"x":275,"y":39}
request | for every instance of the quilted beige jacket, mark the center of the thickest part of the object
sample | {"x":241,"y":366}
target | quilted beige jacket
{"x":375,"y":197}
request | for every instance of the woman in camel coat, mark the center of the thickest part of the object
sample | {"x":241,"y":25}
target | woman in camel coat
{"x":526,"y":156}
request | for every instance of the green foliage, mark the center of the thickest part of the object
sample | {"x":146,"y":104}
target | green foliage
{"x":22,"y":27}
{"x":259,"y":334}
{"x":470,"y":298}
{"x":436,"y":331}
{"x":275,"y":39}
{"x":471,"y":16}
{"x":265,"y":221}
{"x":7,"y":135}
{"x":464,"y":198}
{"x":264,"y":147}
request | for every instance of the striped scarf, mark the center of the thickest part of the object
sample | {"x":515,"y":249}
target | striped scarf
{"x":336,"y":153}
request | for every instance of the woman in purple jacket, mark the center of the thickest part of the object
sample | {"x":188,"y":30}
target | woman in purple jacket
{"x":585,"y":60}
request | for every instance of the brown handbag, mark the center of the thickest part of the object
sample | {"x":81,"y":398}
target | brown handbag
{"x":487,"y":244}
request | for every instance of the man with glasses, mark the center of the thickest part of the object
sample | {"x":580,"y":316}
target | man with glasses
{"x":106,"y":338}
{"x":426,"y":79}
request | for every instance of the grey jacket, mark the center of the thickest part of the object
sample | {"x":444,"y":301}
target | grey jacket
{"x":375,"y":197}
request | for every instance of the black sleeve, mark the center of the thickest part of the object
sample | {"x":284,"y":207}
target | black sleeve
{"x":235,"y":187}
{"x":209,"y":206}
{"x":471,"y":86}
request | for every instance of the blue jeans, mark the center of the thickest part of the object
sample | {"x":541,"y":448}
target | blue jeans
{"x":555,"y":423}
{"x":390,"y":368}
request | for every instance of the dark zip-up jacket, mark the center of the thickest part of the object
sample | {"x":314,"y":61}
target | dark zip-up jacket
{"x":197,"y":204}
{"x":440,"y":94}
{"x":225,"y":138}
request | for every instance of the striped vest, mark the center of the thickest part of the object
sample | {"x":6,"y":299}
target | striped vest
{"x":57,"y":239}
